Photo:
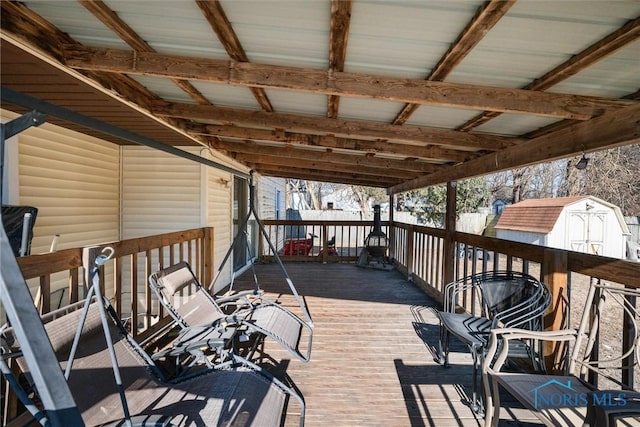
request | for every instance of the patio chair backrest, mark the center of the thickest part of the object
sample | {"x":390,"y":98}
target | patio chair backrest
{"x":607,"y":305}
{"x":502,"y":290}
{"x":181,"y":293}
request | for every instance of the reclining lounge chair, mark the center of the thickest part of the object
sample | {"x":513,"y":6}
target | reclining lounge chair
{"x":236,"y":392}
{"x":198,"y":313}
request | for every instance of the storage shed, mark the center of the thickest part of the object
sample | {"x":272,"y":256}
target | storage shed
{"x":582,"y":224}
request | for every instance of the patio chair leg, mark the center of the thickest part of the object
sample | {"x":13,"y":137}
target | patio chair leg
{"x":442,"y":357}
{"x":477,"y":405}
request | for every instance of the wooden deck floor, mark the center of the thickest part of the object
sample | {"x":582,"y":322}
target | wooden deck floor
{"x":373,"y":345}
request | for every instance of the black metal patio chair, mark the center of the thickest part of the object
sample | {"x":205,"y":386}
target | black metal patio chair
{"x":498,"y":299}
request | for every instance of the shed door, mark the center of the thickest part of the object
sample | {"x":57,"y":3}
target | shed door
{"x":586,"y":232}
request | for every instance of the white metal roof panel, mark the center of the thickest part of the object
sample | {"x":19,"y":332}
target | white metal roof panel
{"x":171,"y":27}
{"x":536,"y":36}
{"x":514,"y":124}
{"x":441,"y":117}
{"x":224,"y":95}
{"x":615,"y":76}
{"x":284,"y":101}
{"x":77,"y":22}
{"x":403,"y":39}
{"x":282,"y":33}
{"x":371,"y":109}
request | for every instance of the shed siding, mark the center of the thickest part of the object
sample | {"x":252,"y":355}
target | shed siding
{"x":522,"y":236}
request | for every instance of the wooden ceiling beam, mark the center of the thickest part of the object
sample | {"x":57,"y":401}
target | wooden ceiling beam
{"x":311,"y":175}
{"x":344,"y":128}
{"x":351,"y":160}
{"x":340,"y":83}
{"x":628,"y":33}
{"x":338,"y":37}
{"x":214,"y":14}
{"x":111,"y":19}
{"x":553,"y":127}
{"x":485,"y":18}
{"x":313,"y":165}
{"x":327,"y":141}
{"x":609,"y":130}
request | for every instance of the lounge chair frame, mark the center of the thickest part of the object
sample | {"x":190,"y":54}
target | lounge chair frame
{"x":204,"y":314}
{"x":154,"y":407}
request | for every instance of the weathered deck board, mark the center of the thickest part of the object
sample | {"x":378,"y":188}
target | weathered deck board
{"x":371,"y":363}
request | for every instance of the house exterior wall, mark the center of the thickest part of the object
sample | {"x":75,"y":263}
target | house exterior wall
{"x":271,"y":198}
{"x":218,"y":193}
{"x":73,"y":180}
{"x":161,"y":193}
{"x":90,"y":191}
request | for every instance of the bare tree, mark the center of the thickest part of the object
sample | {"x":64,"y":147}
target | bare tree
{"x":612,"y":175}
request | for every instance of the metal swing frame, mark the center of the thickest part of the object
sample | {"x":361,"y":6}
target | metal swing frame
{"x":242,"y":233}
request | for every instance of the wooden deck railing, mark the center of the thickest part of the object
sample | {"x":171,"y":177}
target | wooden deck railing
{"x":124,"y":278}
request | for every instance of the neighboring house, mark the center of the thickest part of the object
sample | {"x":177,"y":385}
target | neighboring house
{"x":90,"y":191}
{"x":582,"y":224}
{"x":498,"y":206}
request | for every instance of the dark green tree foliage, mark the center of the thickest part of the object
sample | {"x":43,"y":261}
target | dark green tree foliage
{"x":429,"y":204}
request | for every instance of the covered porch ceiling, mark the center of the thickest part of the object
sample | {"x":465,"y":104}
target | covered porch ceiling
{"x":393,"y":94}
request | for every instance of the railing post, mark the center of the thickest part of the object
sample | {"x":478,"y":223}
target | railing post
{"x":410,"y":238}
{"x":555,"y":274}
{"x":392,"y":230}
{"x":450,"y":228}
{"x":207,"y":253}
{"x":325,"y":244}
{"x":89,"y":255}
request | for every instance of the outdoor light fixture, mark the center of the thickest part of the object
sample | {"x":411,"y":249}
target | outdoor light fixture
{"x":582,"y":163}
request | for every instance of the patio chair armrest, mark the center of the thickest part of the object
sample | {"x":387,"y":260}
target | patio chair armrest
{"x":190,"y":347}
{"x":239,"y":295}
{"x":493,"y":362}
{"x":523,"y":314}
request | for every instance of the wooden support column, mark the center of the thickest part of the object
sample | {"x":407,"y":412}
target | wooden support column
{"x":392,"y":232}
{"x":555,"y":276}
{"x":409,"y":249}
{"x":554,"y":272}
{"x":325,"y":244}
{"x":207,"y":253}
{"x":450,"y":227}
